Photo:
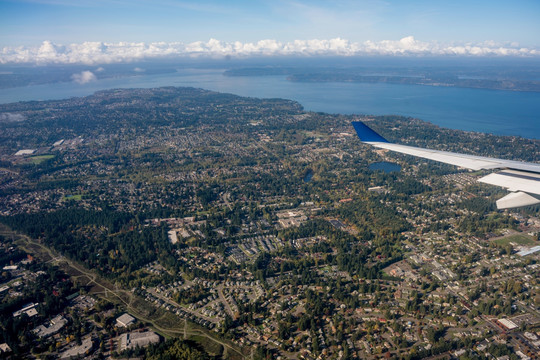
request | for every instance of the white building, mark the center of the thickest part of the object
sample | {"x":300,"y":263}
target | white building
{"x":125,"y":320}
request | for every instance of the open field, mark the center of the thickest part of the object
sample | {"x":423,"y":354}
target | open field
{"x":76,"y":197}
{"x":40,"y":158}
{"x":519,"y":239}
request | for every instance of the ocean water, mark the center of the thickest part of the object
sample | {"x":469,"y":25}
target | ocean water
{"x":490,"y":111}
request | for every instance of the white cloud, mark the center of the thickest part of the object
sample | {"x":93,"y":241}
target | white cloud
{"x":12,"y":117}
{"x":102,"y":53}
{"x":84,"y":77}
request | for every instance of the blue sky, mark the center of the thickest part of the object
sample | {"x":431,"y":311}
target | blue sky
{"x":107,"y":31}
{"x":74,"y":21}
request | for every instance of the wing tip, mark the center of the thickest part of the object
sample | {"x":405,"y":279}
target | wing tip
{"x":366,"y":134}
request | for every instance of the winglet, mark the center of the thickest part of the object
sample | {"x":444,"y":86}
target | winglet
{"x":366,"y":134}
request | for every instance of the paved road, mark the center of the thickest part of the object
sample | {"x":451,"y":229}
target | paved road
{"x":225,"y":302}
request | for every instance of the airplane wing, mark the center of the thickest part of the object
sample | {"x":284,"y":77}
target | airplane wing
{"x":521,"y":178}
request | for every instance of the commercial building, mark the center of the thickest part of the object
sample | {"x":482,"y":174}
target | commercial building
{"x":137,"y":339}
{"x":125,"y":320}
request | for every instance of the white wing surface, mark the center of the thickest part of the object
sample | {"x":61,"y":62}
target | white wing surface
{"x":521,"y":178}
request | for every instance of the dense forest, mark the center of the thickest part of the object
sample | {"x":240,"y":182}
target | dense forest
{"x":110,"y":242}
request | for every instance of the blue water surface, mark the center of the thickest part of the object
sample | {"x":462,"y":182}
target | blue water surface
{"x":385,"y":166}
{"x":490,"y":111}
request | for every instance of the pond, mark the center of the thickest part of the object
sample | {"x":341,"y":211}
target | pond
{"x":309,"y":174}
{"x":385,"y":166}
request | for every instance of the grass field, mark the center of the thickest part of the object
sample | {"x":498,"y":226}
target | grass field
{"x":517,"y":239}
{"x":76,"y":197}
{"x":40,"y":158}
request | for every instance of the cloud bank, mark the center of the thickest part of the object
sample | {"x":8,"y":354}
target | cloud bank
{"x":84,"y":77}
{"x":104,"y":53}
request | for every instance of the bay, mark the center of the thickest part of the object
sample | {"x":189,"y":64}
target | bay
{"x":490,"y":111}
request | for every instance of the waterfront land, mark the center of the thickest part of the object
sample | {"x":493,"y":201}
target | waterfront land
{"x":249,"y":228}
{"x":462,"y":77}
